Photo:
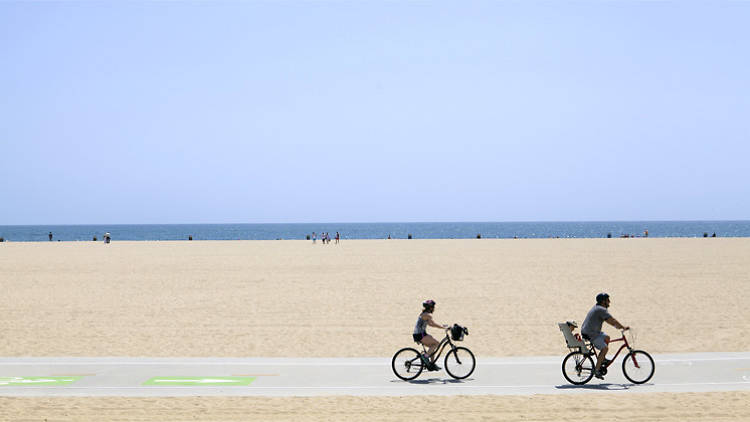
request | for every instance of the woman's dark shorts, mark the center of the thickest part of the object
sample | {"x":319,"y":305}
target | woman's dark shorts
{"x":418,"y":337}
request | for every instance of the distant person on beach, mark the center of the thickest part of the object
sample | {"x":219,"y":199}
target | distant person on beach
{"x":592,"y":329}
{"x":50,"y":236}
{"x":337,"y":237}
{"x":314,"y":237}
{"x":420,"y":332}
{"x":107,"y":237}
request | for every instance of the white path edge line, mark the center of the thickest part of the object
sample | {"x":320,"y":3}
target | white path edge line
{"x":341,"y":363}
{"x":360,"y":387}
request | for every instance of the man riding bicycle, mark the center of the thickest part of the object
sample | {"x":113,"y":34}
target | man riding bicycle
{"x":421,"y":336}
{"x":592,"y":329}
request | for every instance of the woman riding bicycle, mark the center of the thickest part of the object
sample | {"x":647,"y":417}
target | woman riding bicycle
{"x":421,"y":336}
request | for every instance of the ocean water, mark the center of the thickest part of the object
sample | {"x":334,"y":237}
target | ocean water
{"x":377,"y":230}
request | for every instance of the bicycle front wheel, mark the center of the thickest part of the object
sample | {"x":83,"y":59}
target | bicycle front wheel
{"x":407,"y":364}
{"x":460,"y":363}
{"x":578,"y":368}
{"x":638,"y":366}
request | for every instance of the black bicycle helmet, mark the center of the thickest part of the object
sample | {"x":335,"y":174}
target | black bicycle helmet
{"x":429,"y":303}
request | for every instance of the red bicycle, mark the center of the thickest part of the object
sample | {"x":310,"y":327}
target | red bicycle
{"x":578,"y":366}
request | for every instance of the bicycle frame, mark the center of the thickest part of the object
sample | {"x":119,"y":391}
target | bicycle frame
{"x":440,"y":347}
{"x":625,"y":345}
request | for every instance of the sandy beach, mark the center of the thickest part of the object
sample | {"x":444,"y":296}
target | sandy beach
{"x":361,"y":298}
{"x":714,"y":407}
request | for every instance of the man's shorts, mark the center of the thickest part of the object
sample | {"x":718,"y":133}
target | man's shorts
{"x":599,"y":341}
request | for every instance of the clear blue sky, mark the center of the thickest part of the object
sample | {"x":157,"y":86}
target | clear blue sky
{"x":304,"y":111}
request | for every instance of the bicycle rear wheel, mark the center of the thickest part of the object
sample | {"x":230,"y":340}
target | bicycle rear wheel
{"x":638,"y":366}
{"x":578,"y":368}
{"x":460,"y":363}
{"x":407,"y":364}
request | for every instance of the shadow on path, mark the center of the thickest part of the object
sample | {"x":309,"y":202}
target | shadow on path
{"x":435,"y":381}
{"x":601,"y":387}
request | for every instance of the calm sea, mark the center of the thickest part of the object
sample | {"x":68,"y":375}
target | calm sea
{"x":378,"y":230}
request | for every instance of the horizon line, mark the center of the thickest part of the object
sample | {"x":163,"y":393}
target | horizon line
{"x":381,"y":222}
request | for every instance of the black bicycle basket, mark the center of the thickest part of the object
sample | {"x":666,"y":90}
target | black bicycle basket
{"x":458,"y":332}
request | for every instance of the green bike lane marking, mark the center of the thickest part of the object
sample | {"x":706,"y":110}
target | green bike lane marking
{"x":201,"y":381}
{"x":36,"y":381}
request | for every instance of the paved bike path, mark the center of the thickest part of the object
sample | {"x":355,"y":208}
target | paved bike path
{"x":148,"y":377}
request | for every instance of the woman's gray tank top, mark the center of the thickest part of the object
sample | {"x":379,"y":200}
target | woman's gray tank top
{"x":421,"y":326}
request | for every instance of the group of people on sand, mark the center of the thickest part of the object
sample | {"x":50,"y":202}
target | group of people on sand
{"x":591,"y":330}
{"x":325,"y":238}
{"x":107,"y":237}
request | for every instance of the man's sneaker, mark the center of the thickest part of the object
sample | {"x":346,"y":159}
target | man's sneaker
{"x":598,"y":374}
{"x":433,"y":367}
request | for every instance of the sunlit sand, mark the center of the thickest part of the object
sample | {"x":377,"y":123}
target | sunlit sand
{"x":361,"y":298}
